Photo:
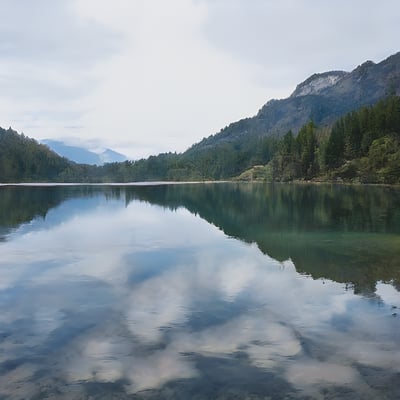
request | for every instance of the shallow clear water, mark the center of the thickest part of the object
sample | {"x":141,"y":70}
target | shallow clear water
{"x":223,"y":291}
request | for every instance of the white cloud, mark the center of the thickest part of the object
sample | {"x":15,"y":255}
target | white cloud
{"x":161,"y":90}
{"x":314,"y":373}
{"x":388,"y":294}
{"x":150,"y":76}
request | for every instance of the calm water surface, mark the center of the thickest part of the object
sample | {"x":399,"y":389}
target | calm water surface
{"x":224,"y":291}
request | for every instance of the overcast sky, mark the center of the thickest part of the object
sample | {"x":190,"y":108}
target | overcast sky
{"x":148,"y":76}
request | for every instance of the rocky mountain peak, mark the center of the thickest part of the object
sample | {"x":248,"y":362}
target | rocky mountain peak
{"x":318,"y":82}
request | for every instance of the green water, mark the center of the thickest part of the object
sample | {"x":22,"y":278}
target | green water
{"x":203,"y":291}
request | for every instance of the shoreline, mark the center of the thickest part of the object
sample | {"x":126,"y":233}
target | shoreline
{"x":167,"y":183}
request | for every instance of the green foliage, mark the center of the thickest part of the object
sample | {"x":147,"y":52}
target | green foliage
{"x":334,"y":151}
{"x":367,"y":143}
{"x":362,"y":146}
{"x":307,"y":145}
{"x":297,"y":157}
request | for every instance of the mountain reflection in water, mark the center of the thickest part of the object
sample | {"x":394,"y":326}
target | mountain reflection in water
{"x":145,"y":292}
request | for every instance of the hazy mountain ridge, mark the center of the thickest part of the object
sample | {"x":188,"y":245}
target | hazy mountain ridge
{"x":83,"y":155}
{"x":321,"y":98}
{"x":109,"y":156}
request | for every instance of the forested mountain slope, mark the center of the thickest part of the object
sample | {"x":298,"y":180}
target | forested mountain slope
{"x":321,"y":98}
{"x":24,"y":159}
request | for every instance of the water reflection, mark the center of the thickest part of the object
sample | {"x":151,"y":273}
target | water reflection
{"x":349,"y":234}
{"x":109,"y":297}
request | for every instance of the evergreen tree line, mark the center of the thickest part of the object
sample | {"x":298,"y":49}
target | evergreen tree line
{"x":362,"y":146}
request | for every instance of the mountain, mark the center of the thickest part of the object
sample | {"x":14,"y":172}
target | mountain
{"x":322,"y":98}
{"x":109,"y":156}
{"x":82,"y":155}
{"x":336,"y":125}
{"x":73,"y":153}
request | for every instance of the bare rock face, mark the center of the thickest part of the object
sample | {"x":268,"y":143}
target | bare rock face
{"x":316,"y":83}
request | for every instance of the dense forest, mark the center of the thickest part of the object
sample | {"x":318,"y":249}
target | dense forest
{"x":362,"y":146}
{"x":25,"y":160}
{"x":22,"y":159}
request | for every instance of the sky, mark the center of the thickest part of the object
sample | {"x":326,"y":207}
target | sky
{"x":150,"y":76}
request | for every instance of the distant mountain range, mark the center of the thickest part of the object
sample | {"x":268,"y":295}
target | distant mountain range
{"x":83,"y":155}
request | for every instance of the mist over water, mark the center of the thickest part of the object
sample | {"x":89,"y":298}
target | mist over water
{"x":200,"y":291}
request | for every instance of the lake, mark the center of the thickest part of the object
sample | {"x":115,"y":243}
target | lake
{"x":200,"y":291}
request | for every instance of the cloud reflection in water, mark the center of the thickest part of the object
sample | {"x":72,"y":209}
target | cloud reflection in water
{"x":134,"y":295}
